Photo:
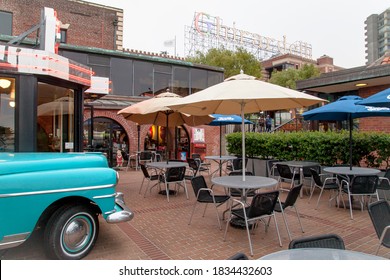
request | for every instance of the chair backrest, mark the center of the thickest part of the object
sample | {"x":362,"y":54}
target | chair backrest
{"x":332,"y":241}
{"x":239,"y":256}
{"x":384,"y":184}
{"x":175,"y":174}
{"x":341,"y":177}
{"x":364,"y":184}
{"x":234,"y":191}
{"x":145,"y":171}
{"x":194,"y":165}
{"x":146,"y":155}
{"x":239,"y":173}
{"x":196,"y":156}
{"x":263,"y":204}
{"x":198,"y":183}
{"x":307,"y":170}
{"x":292,"y":196}
{"x":271,"y":168}
{"x":379,"y":212}
{"x":316,"y":177}
{"x":284,"y":171}
{"x":237,"y":163}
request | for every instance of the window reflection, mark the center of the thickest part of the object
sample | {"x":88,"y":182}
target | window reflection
{"x":55,"y":129}
{"x":7,"y":114}
{"x":198,"y":79}
{"x":143,"y":75}
{"x":181,"y":77}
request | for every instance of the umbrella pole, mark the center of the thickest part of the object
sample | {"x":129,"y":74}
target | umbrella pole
{"x":350,"y":141}
{"x":243,"y":141}
{"x":166,"y":139}
{"x":220,"y":150}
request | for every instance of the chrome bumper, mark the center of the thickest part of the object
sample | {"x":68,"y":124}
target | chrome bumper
{"x":123,"y":215}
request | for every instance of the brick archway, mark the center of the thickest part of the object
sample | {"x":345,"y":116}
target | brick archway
{"x":129,"y":126}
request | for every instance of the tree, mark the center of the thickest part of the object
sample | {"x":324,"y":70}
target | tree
{"x":289,"y":77}
{"x":232,"y":62}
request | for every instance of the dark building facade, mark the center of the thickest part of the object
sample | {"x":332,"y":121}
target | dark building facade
{"x":91,"y":35}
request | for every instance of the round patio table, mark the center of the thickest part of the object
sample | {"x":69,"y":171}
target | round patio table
{"x":349,"y":173}
{"x":319,"y":254}
{"x":220,"y":160}
{"x":251,"y":182}
{"x":163,"y":165}
{"x":345,"y":170}
{"x":299,"y":164}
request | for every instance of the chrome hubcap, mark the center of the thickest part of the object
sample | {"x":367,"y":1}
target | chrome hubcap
{"x":76,"y":234}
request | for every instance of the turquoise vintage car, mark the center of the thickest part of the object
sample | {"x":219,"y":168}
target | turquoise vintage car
{"x":61,"y":193}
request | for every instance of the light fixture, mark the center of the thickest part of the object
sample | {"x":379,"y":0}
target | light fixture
{"x":12,"y":99}
{"x":360,"y":84}
{"x":4,"y":83}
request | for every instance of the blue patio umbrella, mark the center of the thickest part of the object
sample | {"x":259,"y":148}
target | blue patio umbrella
{"x":345,"y":109}
{"x":220,"y":120}
{"x":380,"y":99}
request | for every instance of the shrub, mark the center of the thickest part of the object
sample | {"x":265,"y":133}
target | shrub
{"x":328,"y":148}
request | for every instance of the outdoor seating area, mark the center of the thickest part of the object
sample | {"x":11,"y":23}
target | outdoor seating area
{"x":161,"y":230}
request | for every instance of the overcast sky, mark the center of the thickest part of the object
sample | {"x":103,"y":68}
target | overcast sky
{"x":332,"y":27}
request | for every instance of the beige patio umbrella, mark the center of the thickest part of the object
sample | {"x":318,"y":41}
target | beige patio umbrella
{"x":243,"y":94}
{"x":156,"y":111}
{"x":63,"y":105}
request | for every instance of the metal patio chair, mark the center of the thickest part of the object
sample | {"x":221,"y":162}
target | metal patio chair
{"x":332,"y":241}
{"x":206,"y":195}
{"x":261,"y":208}
{"x":361,"y":187}
{"x":290,"y":201}
{"x":329,"y":183}
{"x":379,"y":212}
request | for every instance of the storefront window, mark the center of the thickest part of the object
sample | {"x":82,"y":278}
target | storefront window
{"x":199,"y":80}
{"x":108,"y":137}
{"x":7,"y":114}
{"x":55,"y":119}
{"x":181,"y":77}
{"x":143,"y":75}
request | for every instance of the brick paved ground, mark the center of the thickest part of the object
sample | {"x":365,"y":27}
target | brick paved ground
{"x":160,"y":230}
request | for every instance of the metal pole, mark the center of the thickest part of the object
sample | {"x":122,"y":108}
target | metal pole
{"x":138,"y":134}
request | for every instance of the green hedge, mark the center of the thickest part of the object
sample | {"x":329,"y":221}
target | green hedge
{"x":371,"y":149}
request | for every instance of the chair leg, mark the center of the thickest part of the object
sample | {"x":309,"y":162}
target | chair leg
{"x":204,"y":211}
{"x":350,"y":205}
{"x":142,"y":184}
{"x":219,"y":221}
{"x":226,"y":228}
{"x":285,"y":222}
{"x":193,"y":210}
{"x":312,"y":188}
{"x":147,"y":188}
{"x":377,"y":249}
{"x":249,"y":236}
{"x":167,"y":190}
{"x":277,"y":230}
{"x":185,"y":189}
{"x":319,"y":197}
{"x":299,"y":218}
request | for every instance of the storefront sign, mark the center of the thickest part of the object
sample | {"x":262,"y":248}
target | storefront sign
{"x":198,"y":135}
{"x":212,"y":28}
{"x":40,"y":62}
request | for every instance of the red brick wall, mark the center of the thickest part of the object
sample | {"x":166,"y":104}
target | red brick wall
{"x":90,"y":25}
{"x":374,"y":123}
{"x":211,"y":132}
